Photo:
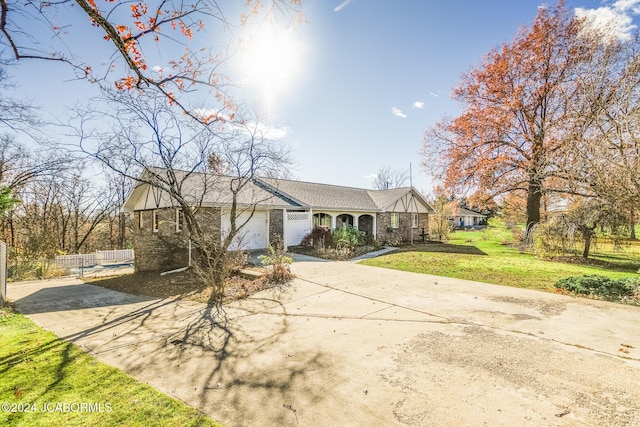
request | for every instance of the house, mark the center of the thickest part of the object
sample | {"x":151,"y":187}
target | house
{"x":276,"y":209}
{"x":466,"y":218}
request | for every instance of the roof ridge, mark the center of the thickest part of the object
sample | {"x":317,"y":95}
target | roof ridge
{"x":316,"y":183}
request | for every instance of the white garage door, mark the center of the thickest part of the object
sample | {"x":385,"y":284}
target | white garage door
{"x":253,"y":235}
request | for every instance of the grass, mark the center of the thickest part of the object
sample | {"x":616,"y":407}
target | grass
{"x":491,"y":256}
{"x":40,"y":370}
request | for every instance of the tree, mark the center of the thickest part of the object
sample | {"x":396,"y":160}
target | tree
{"x":388,"y":178}
{"x":511,"y":134}
{"x":131,"y":29}
{"x":578,"y":224}
{"x":149,"y":142}
{"x":608,"y":108}
{"x":441,"y":221}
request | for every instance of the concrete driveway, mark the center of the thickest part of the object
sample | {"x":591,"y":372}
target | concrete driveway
{"x":351,"y":345}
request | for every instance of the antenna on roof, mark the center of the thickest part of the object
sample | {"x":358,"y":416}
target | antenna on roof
{"x":410,"y":175}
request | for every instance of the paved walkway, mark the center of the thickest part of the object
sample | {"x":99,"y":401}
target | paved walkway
{"x":354,"y":345}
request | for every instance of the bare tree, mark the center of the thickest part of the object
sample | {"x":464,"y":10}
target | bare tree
{"x":388,"y":178}
{"x":607,"y":150}
{"x":151,"y":143}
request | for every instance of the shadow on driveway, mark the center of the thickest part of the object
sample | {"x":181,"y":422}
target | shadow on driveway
{"x":73,"y":297}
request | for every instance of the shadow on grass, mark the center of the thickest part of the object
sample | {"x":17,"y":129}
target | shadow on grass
{"x":443,"y":248}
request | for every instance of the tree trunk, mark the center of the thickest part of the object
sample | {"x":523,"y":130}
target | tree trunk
{"x":121,"y":227}
{"x":587,"y":242}
{"x":534,"y":196}
{"x":632,"y":225}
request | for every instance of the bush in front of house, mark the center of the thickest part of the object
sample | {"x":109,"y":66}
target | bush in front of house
{"x":320,"y":237}
{"x":339,"y":244}
{"x":279,"y":263}
{"x":348,"y":237}
{"x":625,"y":289}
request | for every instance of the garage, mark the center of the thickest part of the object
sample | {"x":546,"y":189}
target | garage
{"x":253,"y":235}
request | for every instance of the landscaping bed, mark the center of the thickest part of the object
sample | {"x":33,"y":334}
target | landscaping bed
{"x":332,"y":253}
{"x":184,"y":285}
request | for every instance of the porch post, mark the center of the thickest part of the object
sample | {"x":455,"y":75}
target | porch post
{"x":284,"y":229}
{"x":355,"y":221}
{"x":333,"y":221}
{"x":375,"y":226}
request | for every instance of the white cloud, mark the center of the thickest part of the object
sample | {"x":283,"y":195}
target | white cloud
{"x":269,"y":132}
{"x":398,"y":112}
{"x":157,"y":69}
{"x":435,"y":95}
{"x":341,"y":5}
{"x":615,"y":20}
{"x":418,"y":104}
{"x":371,"y":176}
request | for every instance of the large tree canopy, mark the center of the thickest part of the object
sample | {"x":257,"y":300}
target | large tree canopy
{"x":513,"y":130}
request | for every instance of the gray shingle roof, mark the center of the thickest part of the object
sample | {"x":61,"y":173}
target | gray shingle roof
{"x":325,"y":196}
{"x":283,"y":193}
{"x":467,"y":212}
{"x":214,"y":190}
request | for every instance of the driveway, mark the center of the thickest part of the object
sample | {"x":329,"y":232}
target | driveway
{"x":352,"y":345}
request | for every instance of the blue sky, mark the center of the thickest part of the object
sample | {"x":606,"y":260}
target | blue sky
{"x":371,"y":77}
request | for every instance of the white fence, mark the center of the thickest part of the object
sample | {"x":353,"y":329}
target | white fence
{"x":97,"y":258}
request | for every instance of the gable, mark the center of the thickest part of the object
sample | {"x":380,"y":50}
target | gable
{"x":410,"y":201}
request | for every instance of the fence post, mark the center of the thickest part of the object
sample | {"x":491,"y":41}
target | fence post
{"x":3,"y":273}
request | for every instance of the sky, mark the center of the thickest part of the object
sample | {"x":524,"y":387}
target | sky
{"x":360,"y":80}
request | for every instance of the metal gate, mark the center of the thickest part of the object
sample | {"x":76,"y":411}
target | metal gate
{"x":3,"y":273}
{"x":298,"y":224}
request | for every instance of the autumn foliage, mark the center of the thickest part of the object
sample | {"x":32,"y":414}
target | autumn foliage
{"x":512,"y":133}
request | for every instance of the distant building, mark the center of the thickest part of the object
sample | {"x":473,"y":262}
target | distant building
{"x":466,"y":218}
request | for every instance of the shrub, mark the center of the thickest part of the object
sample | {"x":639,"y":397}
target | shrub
{"x":347,"y":237}
{"x":280,"y":264}
{"x":625,"y":289}
{"x":319,"y":237}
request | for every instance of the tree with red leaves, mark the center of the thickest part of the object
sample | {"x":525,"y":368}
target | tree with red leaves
{"x":512,"y":133}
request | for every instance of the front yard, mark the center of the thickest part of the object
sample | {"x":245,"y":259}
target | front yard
{"x":47,"y":381}
{"x":491,"y":256}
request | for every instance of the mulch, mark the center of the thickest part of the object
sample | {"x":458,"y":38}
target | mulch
{"x":184,"y":285}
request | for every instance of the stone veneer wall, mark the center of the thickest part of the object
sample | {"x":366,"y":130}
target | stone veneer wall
{"x":167,"y":249}
{"x":276,"y":226}
{"x":386,"y":235}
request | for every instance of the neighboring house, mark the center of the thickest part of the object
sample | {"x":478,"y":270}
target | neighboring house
{"x":284,"y":210}
{"x":466,"y":218}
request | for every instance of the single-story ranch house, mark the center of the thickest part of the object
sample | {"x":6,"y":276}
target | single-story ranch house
{"x":285,"y":210}
{"x":466,"y":218}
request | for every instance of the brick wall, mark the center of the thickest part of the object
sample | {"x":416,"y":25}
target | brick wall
{"x":276,"y":226}
{"x":167,"y":249}
{"x":387,"y":235}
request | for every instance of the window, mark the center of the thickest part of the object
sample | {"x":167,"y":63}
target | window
{"x":322,"y":219}
{"x":140,"y":221}
{"x":395,"y":220}
{"x":155,"y":221}
{"x":414,"y":220}
{"x":179,"y":220}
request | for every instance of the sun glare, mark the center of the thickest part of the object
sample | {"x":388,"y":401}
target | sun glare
{"x":271,"y":60}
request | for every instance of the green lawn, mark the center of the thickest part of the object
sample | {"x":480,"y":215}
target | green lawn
{"x":67,"y":387}
{"x":490,"y":256}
